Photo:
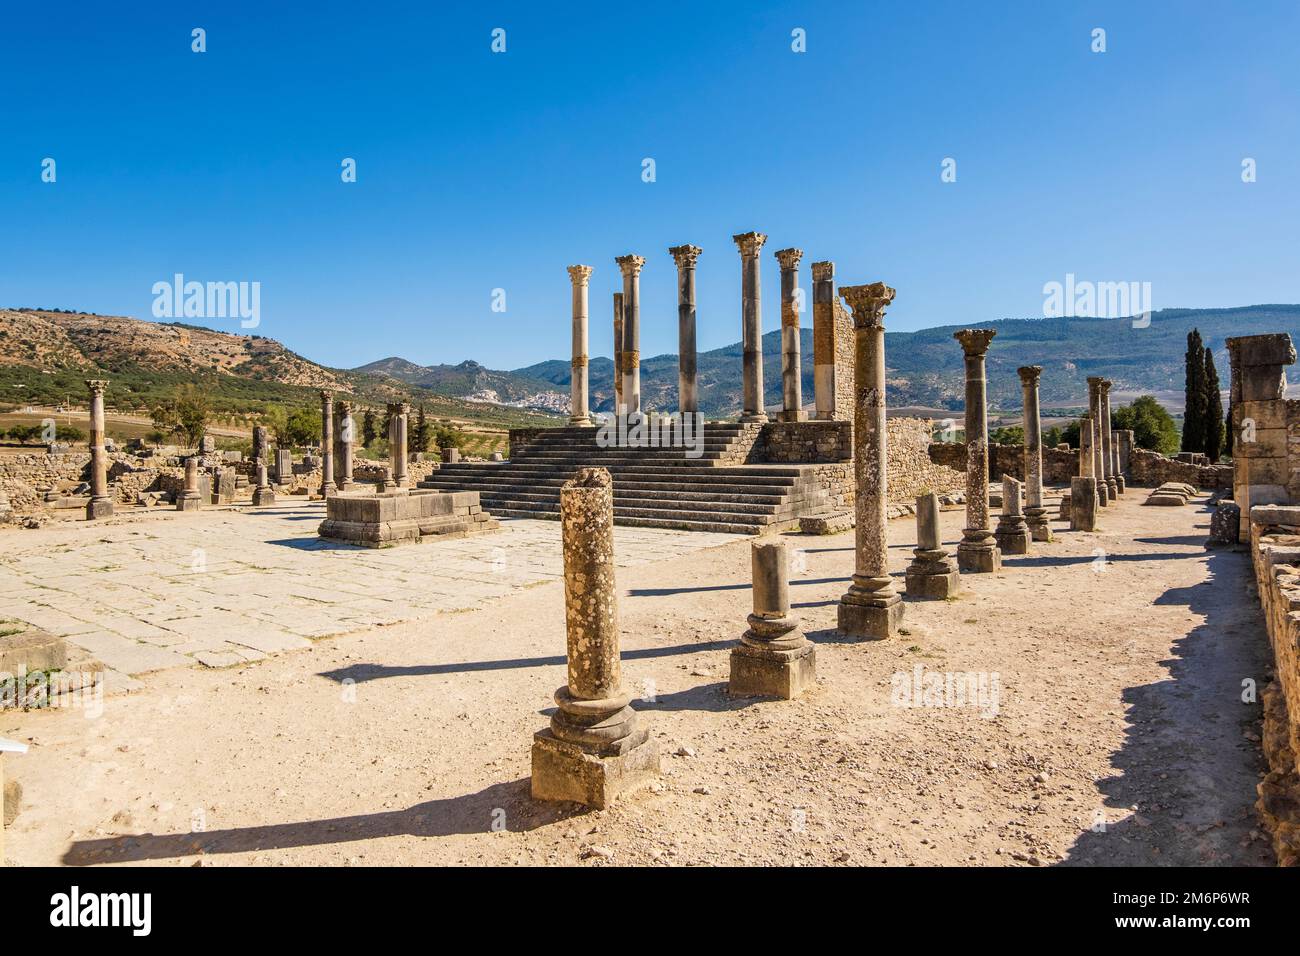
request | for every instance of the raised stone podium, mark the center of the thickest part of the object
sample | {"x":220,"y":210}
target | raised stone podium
{"x":401,"y":517}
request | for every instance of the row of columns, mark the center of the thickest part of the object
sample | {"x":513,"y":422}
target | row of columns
{"x":1100,"y":480}
{"x":627,"y":334}
{"x":337,"y":442}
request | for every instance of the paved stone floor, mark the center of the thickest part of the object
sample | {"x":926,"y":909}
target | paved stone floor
{"x":226,"y":587}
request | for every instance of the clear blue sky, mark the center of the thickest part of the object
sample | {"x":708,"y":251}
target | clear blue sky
{"x":479,"y":170}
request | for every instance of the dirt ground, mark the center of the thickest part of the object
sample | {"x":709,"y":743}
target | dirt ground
{"x":1120,"y":735}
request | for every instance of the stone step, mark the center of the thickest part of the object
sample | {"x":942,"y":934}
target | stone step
{"x":662,"y":503}
{"x":774,"y":473}
{"x":715,"y":527}
{"x":717,"y":490}
{"x":535,"y":508}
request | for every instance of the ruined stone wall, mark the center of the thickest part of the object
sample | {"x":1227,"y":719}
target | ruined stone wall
{"x":845,"y":377}
{"x":22,"y":477}
{"x":806,"y":442}
{"x":911,"y":469}
{"x":1152,"y":469}
{"x":1058,"y":466}
{"x":1276,"y":557}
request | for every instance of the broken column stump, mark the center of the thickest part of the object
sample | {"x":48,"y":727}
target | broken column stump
{"x":1083,"y":504}
{"x":1013,"y":531}
{"x":773,"y":658}
{"x":594,"y":751}
{"x":933,"y":574}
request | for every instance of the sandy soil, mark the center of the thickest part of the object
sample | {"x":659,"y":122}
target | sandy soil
{"x":1120,"y":735}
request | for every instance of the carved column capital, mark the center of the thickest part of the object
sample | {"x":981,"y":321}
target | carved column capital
{"x":1030,"y":374}
{"x":868,"y":303}
{"x":97,"y":385}
{"x":749,"y":243}
{"x":579,"y":275}
{"x":823,"y":270}
{"x":975,"y":342}
{"x":789,"y":258}
{"x":630,"y":265}
{"x":685,"y":256}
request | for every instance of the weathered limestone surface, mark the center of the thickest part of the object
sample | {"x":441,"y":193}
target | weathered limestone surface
{"x":327,"y":485}
{"x":978,"y":551}
{"x":101,"y":503}
{"x":594,"y":751}
{"x":1013,"y":531}
{"x":932,"y":575}
{"x":791,"y":374}
{"x":749,"y":244}
{"x":630,"y":266}
{"x":871,"y":608}
{"x":1263,"y":460}
{"x":399,"y":517}
{"x":1275,"y":552}
{"x":688,"y":395}
{"x":1108,"y":457}
{"x":189,"y":498}
{"x":773,"y":658}
{"x":1040,"y":528}
{"x":824,"y":383}
{"x":619,"y":408}
{"x":398,"y":413}
{"x":1098,"y":439}
{"x":580,"y":414}
{"x":263,"y":494}
{"x":1083,"y":504}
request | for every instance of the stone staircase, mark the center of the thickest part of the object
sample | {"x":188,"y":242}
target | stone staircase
{"x":653,"y":487}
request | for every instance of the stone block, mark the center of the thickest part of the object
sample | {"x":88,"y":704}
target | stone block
{"x":935,"y":586}
{"x":766,"y":672}
{"x":30,"y":649}
{"x":1166,"y":500}
{"x":871,"y":622}
{"x":565,"y":771}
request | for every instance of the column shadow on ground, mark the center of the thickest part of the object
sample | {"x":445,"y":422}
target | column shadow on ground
{"x":1184,"y":762}
{"x":465,"y":814}
{"x":360,"y":673}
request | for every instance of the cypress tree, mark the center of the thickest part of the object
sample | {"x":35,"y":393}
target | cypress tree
{"x":1227,"y":431}
{"x":368,"y":428}
{"x":1194,"y":394}
{"x":1213,"y":410}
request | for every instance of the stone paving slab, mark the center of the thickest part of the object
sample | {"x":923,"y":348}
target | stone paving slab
{"x":222,"y":588}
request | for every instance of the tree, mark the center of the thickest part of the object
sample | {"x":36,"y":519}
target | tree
{"x":1214,"y":429}
{"x":447,"y":435}
{"x":1153,"y":427}
{"x":186,"y":414}
{"x":1194,"y":404}
{"x":1008,"y":435}
{"x":293,"y":426}
{"x":368,"y":428}
{"x":421,"y":434}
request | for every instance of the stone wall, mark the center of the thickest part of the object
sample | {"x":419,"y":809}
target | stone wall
{"x":805,"y":442}
{"x":1275,"y":553}
{"x":911,"y":469}
{"x":845,"y":370}
{"x":1152,"y":469}
{"x":23,"y":476}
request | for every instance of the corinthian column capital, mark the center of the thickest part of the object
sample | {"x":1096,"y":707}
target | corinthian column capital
{"x":1029,"y":374}
{"x":749,"y":243}
{"x":97,"y":385}
{"x":685,"y":256}
{"x":975,"y":341}
{"x":823,"y":270}
{"x":868,"y":303}
{"x":789,"y":258}
{"x":579,"y":275}
{"x":630,"y":265}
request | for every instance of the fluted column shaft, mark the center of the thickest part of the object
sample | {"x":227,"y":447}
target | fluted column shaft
{"x":346,"y":438}
{"x":978,"y":551}
{"x":688,"y":396}
{"x":791,"y":370}
{"x":631,"y":269}
{"x":618,"y":353}
{"x":398,"y":412}
{"x":580,"y":414}
{"x":751,"y":319}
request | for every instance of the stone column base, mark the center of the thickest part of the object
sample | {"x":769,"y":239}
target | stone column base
{"x":581,"y":422}
{"x":263,"y":497}
{"x":1112,"y":488}
{"x":799,"y":416}
{"x":979,"y":557}
{"x":566,"y":771}
{"x":188,"y":502}
{"x":873,"y":621}
{"x":1103,"y":493}
{"x":328,"y":488}
{"x":766,"y":672}
{"x":756,"y":417}
{"x":933,"y":579}
{"x":1120,"y":484}
{"x":1040,"y":527}
{"x":1012,"y":535}
{"x":99,"y":508}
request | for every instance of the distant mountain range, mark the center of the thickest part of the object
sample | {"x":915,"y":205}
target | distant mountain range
{"x":925,"y":368}
{"x":45,"y":354}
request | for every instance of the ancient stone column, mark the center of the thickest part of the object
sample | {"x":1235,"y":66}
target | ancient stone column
{"x":630,"y":266}
{"x":1123,"y":450}
{"x":346,"y":442}
{"x":932,"y":575}
{"x":618,"y":354}
{"x":327,"y":486}
{"x":397,"y":412}
{"x":791,"y":373}
{"x":751,"y":318}
{"x":688,"y":386}
{"x":579,"y":277}
{"x":978,"y":551}
{"x":1098,"y":462}
{"x":824,"y":383}
{"x":773,"y":658}
{"x":1107,"y":440}
{"x":263,"y":494}
{"x":189,"y":498}
{"x":261,"y":443}
{"x":1040,"y":528}
{"x":1013,"y":532}
{"x":1261,"y":447}
{"x":594,"y":751}
{"x":871,"y":608}
{"x":101,"y":503}
{"x":1083,"y":504}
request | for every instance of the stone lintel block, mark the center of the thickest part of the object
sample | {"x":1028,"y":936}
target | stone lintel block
{"x":1274,"y":348}
{"x":979,"y":559}
{"x":761,"y":672}
{"x":869,"y":621}
{"x":926,"y":586}
{"x":1268,"y":443}
{"x":1282,"y":516}
{"x":1266,"y":414}
{"x":565,"y":771}
{"x":1167,"y":499}
{"x":32,"y":650}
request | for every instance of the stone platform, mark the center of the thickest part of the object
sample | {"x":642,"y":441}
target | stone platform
{"x":401,"y":517}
